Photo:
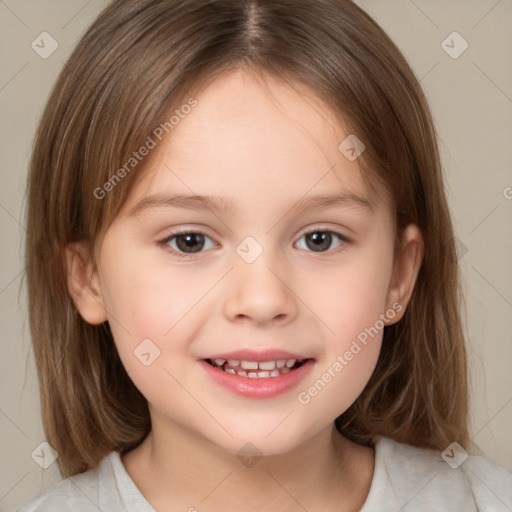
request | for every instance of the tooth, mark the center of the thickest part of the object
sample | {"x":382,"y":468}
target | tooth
{"x":285,"y":370}
{"x":290,"y":362}
{"x":249,"y":365}
{"x":233,"y":362}
{"x":267,"y":365}
{"x":275,"y":373}
{"x":280,"y":363}
{"x":252,"y":375}
{"x":220,"y":362}
{"x":230,"y":370}
{"x":263,"y":374}
{"x":242,"y":373}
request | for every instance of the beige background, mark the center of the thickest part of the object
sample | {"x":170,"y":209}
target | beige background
{"x":471,"y":98}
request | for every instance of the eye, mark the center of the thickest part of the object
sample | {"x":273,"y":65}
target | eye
{"x":321,"y":240}
{"x":188,"y":242}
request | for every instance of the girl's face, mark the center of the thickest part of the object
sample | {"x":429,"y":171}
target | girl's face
{"x":292,"y":259}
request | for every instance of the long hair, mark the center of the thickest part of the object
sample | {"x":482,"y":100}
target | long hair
{"x":138,"y":62}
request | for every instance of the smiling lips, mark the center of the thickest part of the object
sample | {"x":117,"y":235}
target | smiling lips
{"x":257,"y":374}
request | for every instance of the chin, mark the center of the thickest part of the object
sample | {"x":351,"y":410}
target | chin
{"x":261,"y":441}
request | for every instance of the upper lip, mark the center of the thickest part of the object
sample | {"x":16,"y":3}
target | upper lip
{"x":257,"y":355}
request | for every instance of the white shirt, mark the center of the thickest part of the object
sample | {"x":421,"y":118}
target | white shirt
{"x":406,"y":479}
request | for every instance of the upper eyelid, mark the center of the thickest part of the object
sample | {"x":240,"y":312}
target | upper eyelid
{"x":301,"y":233}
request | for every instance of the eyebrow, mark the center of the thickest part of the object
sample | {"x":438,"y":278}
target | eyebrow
{"x":223,"y":206}
{"x":321,"y":202}
{"x":193,"y":202}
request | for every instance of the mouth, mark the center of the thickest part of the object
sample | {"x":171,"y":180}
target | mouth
{"x":257,"y":374}
{"x":256,"y":369}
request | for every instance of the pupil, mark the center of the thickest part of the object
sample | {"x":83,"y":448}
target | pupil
{"x":320,"y":241}
{"x":187,"y":243}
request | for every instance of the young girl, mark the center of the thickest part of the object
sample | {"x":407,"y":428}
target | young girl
{"x":241,"y":270}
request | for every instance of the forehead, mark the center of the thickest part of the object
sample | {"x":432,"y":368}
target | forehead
{"x":251,"y":137}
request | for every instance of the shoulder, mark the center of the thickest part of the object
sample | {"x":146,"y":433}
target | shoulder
{"x":107,"y":487}
{"x":412,"y":478}
{"x":75,"y":493}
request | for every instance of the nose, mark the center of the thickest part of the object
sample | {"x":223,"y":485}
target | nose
{"x":259,"y":292}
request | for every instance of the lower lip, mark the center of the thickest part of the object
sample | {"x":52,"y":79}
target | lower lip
{"x":264,"y":387}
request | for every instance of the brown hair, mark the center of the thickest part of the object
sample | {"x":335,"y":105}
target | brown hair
{"x":137,"y":63}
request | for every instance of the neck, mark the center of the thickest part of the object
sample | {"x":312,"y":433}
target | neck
{"x":174,"y":468}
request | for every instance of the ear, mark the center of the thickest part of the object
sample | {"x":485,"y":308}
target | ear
{"x":83,"y":286}
{"x":405,"y":270}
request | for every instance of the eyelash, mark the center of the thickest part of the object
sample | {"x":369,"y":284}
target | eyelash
{"x":190,"y":256}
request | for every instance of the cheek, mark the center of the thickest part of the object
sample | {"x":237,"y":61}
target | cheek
{"x":150,"y":310}
{"x":350,"y":297}
{"x":153,"y":313}
{"x":350,"y":301}
{"x":150,"y":315}
{"x":147,"y":297}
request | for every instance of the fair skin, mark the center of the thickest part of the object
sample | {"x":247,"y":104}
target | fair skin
{"x":263,"y":147}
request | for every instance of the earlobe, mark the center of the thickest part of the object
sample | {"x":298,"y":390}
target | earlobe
{"x":406,"y":269}
{"x":83,"y":284}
